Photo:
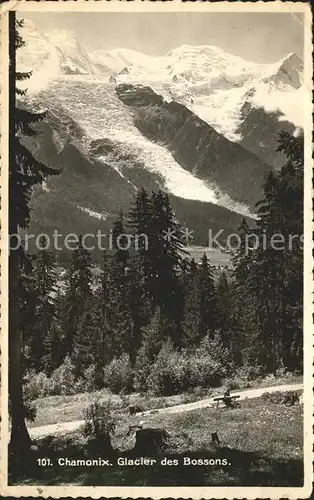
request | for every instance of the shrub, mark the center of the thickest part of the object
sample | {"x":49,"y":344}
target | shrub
{"x":233,"y":384}
{"x":218,"y":353}
{"x":168,"y":372}
{"x":61,"y":382}
{"x":204,"y":370}
{"x":175,"y":371}
{"x":118,"y":375}
{"x":37,"y":385}
{"x":100,"y":420}
{"x":63,"y":379}
{"x":142,"y":371}
{"x":288,"y":398}
{"x":282,"y":372}
{"x":90,"y":381}
{"x":195,"y":393}
{"x":249,"y":372}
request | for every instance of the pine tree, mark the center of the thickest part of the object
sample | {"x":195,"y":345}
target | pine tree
{"x":192,"y":300}
{"x":244,"y":301}
{"x":24,"y":173}
{"x":131,"y":309}
{"x":119,"y":241}
{"x":27,"y":302}
{"x":269,"y":268}
{"x":269,"y":280}
{"x":148,"y":352}
{"x":160,"y":257}
{"x":106,"y":314}
{"x":53,"y":347}
{"x":290,"y":201}
{"x":166,"y":253}
{"x":140,"y":218}
{"x":78,"y":293}
{"x":208,"y":300}
{"x":141,"y":223}
{"x":242,"y":260}
{"x":87,"y":348}
{"x":228,"y":327}
{"x":45,"y":287}
{"x":137,"y":306}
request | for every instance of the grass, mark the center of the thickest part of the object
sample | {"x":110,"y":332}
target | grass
{"x":261,"y":442}
{"x":239,"y":384}
{"x":55,"y":409}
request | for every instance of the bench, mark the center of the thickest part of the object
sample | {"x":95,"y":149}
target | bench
{"x":228,"y":400}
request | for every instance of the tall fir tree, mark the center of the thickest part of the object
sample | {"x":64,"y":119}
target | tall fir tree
{"x":140,"y":218}
{"x":78,"y":293}
{"x":88,"y":346}
{"x":119,"y":241}
{"x":208,"y":299}
{"x":106,"y":314}
{"x":45,"y":287}
{"x":137,"y":306}
{"x":166,"y":255}
{"x":192,"y":300}
{"x":244,"y":301}
{"x":141,"y":223}
{"x":229,"y":330}
{"x":269,"y":277}
{"x":54,"y":342}
{"x":24,"y":173}
{"x":290,"y":200}
{"x":27,"y":302}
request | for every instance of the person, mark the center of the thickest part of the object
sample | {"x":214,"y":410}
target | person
{"x":227,"y":399}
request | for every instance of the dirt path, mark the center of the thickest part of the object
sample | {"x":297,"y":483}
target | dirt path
{"x":64,"y":427}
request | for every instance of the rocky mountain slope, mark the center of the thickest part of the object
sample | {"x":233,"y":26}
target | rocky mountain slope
{"x":197,"y":122}
{"x":89,"y":192}
{"x":195,"y":144}
{"x":218,"y":87}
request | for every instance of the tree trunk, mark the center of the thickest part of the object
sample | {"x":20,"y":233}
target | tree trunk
{"x":150,"y":441}
{"x":101,"y":446}
{"x":20,"y":441}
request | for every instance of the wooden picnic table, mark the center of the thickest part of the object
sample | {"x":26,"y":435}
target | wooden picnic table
{"x":227,"y":399}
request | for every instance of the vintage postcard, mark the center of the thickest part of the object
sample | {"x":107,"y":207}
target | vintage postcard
{"x":156,"y":249}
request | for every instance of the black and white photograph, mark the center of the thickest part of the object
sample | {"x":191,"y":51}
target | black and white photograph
{"x":157,"y":200}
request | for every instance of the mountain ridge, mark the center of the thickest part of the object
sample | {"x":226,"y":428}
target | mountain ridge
{"x":195,"y":144}
{"x":201,"y":123}
{"x":88,"y":194}
{"x":213,"y":83}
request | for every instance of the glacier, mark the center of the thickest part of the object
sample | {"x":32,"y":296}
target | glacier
{"x":207,"y":80}
{"x":211,"y":82}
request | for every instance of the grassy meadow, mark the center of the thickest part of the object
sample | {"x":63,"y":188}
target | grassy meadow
{"x":67,"y":408}
{"x":260,"y":440}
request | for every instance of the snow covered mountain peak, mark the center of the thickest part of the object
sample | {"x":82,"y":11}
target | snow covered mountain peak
{"x":289,"y":71}
{"x":186,"y":50}
{"x":50,"y":56}
{"x":212,"y":83}
{"x":174,"y":95}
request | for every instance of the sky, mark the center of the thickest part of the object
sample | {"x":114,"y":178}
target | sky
{"x":257,"y":37}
